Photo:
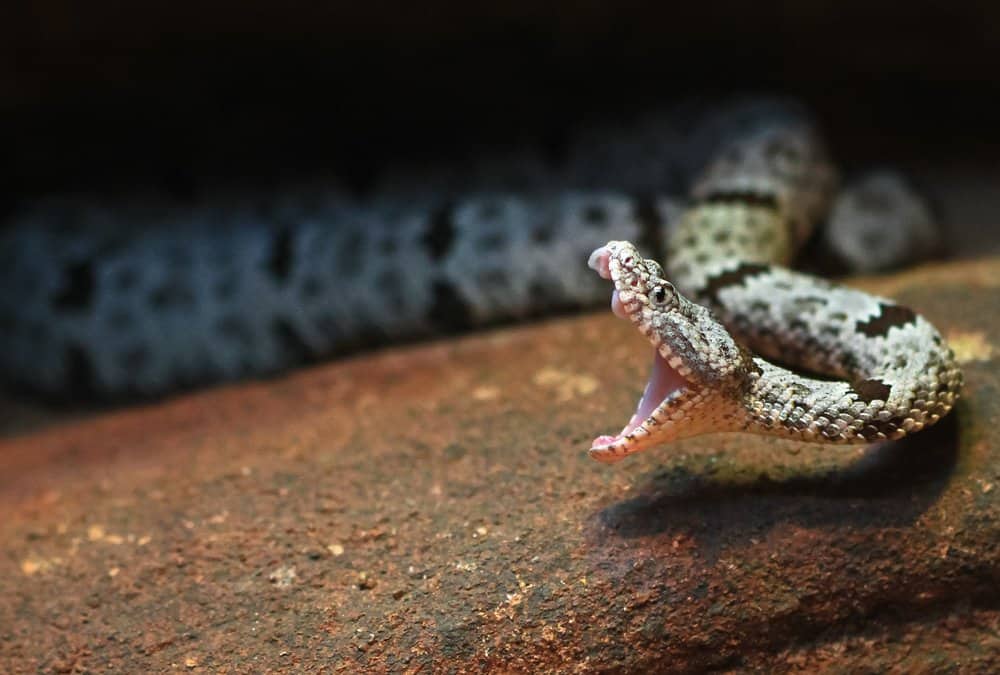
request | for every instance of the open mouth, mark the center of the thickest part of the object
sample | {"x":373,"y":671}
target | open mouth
{"x":666,"y":383}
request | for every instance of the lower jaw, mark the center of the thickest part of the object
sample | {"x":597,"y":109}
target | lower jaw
{"x":663,"y":381}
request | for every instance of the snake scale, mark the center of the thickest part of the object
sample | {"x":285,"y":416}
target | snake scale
{"x":143,"y":296}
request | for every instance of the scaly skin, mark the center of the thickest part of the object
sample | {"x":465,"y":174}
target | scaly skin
{"x":751,"y":210}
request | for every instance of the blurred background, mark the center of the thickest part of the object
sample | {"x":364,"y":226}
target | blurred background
{"x":111,"y":96}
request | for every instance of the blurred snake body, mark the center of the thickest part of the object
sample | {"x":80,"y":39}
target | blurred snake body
{"x":144,"y":295}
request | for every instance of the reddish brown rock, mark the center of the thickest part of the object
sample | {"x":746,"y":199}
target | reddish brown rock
{"x":433,"y":508}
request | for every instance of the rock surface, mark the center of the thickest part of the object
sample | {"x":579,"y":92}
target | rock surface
{"x":433,"y":509}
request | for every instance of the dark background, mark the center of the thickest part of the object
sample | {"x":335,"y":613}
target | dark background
{"x":110,"y":93}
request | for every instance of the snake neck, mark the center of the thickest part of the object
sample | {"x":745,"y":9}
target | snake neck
{"x":781,"y":402}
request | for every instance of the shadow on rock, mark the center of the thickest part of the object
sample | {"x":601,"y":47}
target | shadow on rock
{"x":890,"y":486}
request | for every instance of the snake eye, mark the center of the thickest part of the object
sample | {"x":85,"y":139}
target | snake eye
{"x":664,"y":293}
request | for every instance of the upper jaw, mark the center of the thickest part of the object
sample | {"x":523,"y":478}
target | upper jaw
{"x":614,"y":261}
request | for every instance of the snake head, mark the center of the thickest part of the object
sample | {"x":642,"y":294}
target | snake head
{"x":698,"y":369}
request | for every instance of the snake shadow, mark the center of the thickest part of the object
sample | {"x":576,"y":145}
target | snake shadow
{"x":891,"y":485}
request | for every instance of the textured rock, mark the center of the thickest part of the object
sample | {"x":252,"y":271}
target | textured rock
{"x":433,"y":508}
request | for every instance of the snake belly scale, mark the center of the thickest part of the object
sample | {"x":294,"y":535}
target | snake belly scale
{"x":886,"y":370}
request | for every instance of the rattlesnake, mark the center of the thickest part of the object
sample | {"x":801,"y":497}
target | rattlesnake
{"x":143,"y":295}
{"x":751,"y":210}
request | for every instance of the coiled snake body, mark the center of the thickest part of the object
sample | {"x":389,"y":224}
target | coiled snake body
{"x":751,"y":210}
{"x":145,"y":296}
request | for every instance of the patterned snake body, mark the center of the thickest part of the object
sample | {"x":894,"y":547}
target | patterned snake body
{"x":751,"y":210}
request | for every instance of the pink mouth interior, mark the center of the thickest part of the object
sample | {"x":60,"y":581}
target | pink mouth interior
{"x":663,"y":382}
